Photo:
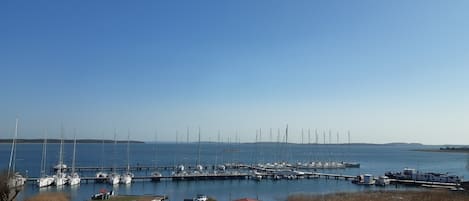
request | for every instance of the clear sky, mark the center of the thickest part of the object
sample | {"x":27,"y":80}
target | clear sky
{"x":388,"y":71}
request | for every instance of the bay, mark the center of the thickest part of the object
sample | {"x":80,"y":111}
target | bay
{"x":374,"y":159}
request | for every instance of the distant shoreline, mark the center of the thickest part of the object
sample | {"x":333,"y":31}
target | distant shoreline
{"x":465,"y":150}
{"x":81,"y":141}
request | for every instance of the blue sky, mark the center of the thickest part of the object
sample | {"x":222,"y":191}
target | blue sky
{"x":385,"y":70}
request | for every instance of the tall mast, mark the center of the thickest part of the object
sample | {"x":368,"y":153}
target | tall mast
{"x":156,"y":146}
{"x":324,"y":136}
{"x":317,"y":137}
{"x":286,"y":135}
{"x":198,"y":150}
{"x":128,"y":151}
{"x":348,"y":133}
{"x":337,"y":137}
{"x":114,"y":152}
{"x":43,"y":160}
{"x":270,"y":140}
{"x":74,"y":149}
{"x":12,"y":163}
{"x":102,"y":155}
{"x":302,"y":136}
{"x":286,"y":144}
{"x":61,"y":154}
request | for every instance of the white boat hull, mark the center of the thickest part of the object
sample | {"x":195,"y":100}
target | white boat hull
{"x":74,"y":180}
{"x":114,"y":179}
{"x":126,"y":178}
{"x":16,"y":181}
{"x":45,"y":181}
{"x":60,"y":180}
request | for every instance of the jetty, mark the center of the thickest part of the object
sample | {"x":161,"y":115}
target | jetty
{"x":234,"y":171}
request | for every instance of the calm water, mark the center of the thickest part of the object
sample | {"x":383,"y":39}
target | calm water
{"x":374,"y":159}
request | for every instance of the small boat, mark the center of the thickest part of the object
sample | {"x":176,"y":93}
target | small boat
{"x":44,"y":180}
{"x":102,"y":195}
{"x":16,"y":179}
{"x":74,"y":178}
{"x":126,"y":178}
{"x":156,"y":176}
{"x":364,"y":179}
{"x":412,"y":174}
{"x":114,"y":179}
{"x":101,"y":177}
{"x":383,"y":181}
{"x":201,"y":197}
{"x":60,"y":178}
{"x":257,"y":176}
{"x":351,"y":164}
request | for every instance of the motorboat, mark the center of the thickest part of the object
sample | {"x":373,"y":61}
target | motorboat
{"x":383,"y":181}
{"x":364,"y":179}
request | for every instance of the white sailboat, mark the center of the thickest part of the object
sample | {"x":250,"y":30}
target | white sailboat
{"x":44,"y":180}
{"x":60,"y":178}
{"x":126,"y":178}
{"x":156,"y":176}
{"x":114,"y":178}
{"x":101,"y":175}
{"x":74,"y":178}
{"x":15,"y":178}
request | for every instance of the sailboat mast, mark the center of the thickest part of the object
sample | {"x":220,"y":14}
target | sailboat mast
{"x":11,"y":164}
{"x":102,"y":155}
{"x":61,"y":159}
{"x":74,"y":149}
{"x":128,"y":151}
{"x":43,"y":159}
{"x":198,"y":150}
{"x":114,"y":150}
{"x":156,"y":146}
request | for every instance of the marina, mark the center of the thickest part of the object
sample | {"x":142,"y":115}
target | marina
{"x":258,"y":173}
{"x":228,"y":171}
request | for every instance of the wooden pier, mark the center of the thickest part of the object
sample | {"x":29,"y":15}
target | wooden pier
{"x":234,"y":172}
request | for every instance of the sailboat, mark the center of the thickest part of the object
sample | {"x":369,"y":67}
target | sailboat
{"x":126,"y":178}
{"x":60,"y":178}
{"x":74,"y":178}
{"x":101,"y":175}
{"x":15,"y":178}
{"x":44,"y":180}
{"x":114,"y":178}
{"x":155,"y":176}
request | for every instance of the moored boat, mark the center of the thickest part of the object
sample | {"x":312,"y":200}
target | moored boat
{"x":15,"y":178}
{"x":364,"y":179}
{"x":383,"y":181}
{"x":412,"y":174}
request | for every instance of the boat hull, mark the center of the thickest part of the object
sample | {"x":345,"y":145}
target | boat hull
{"x":45,"y":181}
